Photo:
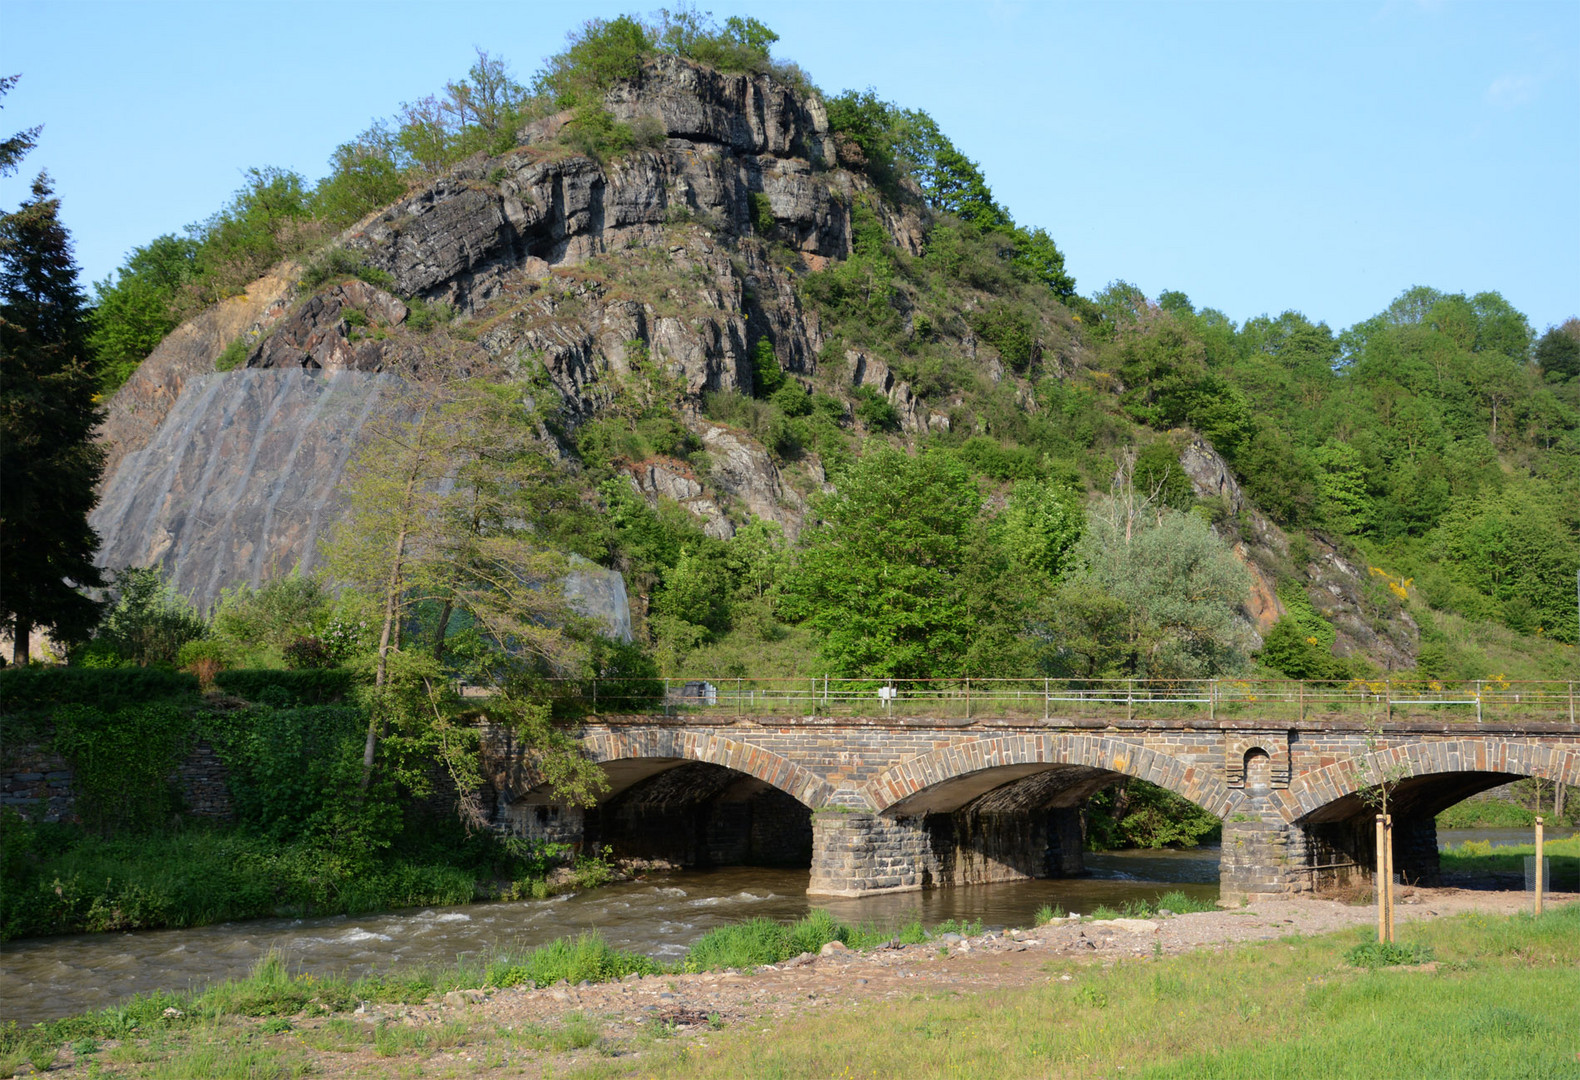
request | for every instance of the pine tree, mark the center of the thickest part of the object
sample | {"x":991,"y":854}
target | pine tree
{"x":49,"y":461}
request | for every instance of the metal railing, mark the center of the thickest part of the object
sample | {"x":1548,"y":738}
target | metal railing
{"x":1054,"y":700}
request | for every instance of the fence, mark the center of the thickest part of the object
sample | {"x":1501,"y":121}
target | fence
{"x":1052,"y":700}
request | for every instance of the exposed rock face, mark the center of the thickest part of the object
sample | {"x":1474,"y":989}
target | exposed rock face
{"x":240,"y":480}
{"x":320,"y":333}
{"x":138,"y":408}
{"x":1334,"y":584}
{"x":1336,"y":587}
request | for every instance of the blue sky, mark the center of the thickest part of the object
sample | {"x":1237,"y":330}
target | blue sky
{"x":1259,"y":157}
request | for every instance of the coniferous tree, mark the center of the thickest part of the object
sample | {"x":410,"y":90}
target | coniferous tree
{"x":49,"y":461}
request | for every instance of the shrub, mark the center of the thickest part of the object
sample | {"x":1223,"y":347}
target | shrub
{"x":233,"y":355}
{"x":876,"y":411}
{"x":308,"y":652}
{"x":45,"y":689}
{"x":763,"y":220}
{"x":310,"y":686}
{"x":1010,"y":329}
{"x":204,"y":658}
{"x":339,"y":262}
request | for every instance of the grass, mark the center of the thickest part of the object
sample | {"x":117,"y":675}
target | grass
{"x":1500,"y":1003}
{"x":1172,"y":901}
{"x":1480,"y":857}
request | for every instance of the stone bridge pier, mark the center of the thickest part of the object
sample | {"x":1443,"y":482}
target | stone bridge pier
{"x":876,"y":807}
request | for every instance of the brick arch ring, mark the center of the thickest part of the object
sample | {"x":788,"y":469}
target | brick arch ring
{"x":765,"y":765}
{"x":1115,"y":755}
{"x":1312,"y":791}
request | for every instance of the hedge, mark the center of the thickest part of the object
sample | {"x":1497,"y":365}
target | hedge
{"x":25,"y":689}
{"x":309,"y":686}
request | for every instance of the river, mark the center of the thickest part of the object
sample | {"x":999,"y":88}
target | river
{"x":661,"y":915}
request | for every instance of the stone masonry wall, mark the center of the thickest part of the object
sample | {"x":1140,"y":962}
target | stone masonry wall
{"x":37,"y":785}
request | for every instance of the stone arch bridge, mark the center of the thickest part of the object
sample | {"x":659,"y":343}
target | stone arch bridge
{"x":935,"y":795}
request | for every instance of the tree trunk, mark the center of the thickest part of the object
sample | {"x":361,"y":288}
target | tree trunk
{"x":444,"y":623}
{"x":392,"y":606}
{"x":19,"y":646}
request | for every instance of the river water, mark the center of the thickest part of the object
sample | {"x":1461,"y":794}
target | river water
{"x":660,"y":915}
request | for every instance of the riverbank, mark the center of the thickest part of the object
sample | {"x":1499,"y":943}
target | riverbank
{"x":1069,"y":998}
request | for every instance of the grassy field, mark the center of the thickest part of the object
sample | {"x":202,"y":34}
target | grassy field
{"x":1499,"y":999}
{"x":1480,"y":857}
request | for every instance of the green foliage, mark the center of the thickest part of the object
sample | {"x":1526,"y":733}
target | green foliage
{"x":599,"y":54}
{"x":876,"y":412}
{"x":1136,"y":814}
{"x":233,"y":355}
{"x":28,"y":689}
{"x":767,"y":375}
{"x":762,"y":213}
{"x":337,"y":262}
{"x":1159,"y":476}
{"x":364,"y":176}
{"x":48,"y":414}
{"x":1012,"y":331}
{"x":122,"y":761}
{"x":147,"y":624}
{"x":1156,"y":596}
{"x":587,"y":958}
{"x":1040,"y":526}
{"x":257,"y":625}
{"x":1300,"y":644}
{"x":883,"y":581}
{"x":311,"y":686}
{"x":1558,"y":352}
{"x":1376,"y":954}
{"x":58,"y":879}
{"x":295,"y":772}
{"x":134,"y":311}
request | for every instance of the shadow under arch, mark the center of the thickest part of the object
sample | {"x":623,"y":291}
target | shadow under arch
{"x":1329,"y":806}
{"x":629,"y":758}
{"x":1431,"y":777}
{"x":948,"y":778}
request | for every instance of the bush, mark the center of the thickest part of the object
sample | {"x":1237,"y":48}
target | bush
{"x":45,"y":689}
{"x":763,"y":220}
{"x":233,"y":355}
{"x":149,"y":621}
{"x":1012,"y":331}
{"x":338,"y":262}
{"x":312,"y":686}
{"x":1376,"y":954}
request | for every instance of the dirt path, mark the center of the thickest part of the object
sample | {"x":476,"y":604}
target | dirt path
{"x":530,"y":1032}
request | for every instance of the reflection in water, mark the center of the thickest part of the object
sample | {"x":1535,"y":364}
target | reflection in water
{"x":660,"y":916}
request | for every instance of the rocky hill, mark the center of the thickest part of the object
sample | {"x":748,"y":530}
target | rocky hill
{"x":687,"y":253}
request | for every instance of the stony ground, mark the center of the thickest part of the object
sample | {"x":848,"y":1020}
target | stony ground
{"x":531,"y":1032}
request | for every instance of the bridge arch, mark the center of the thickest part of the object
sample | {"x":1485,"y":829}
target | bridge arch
{"x":1432,"y":776}
{"x":948,"y":777}
{"x":668,"y":748}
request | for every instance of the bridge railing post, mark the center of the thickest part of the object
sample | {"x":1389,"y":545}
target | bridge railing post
{"x":1045,"y":700}
{"x":1130,"y":698}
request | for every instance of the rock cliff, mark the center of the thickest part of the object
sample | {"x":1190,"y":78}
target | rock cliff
{"x":554,"y":261}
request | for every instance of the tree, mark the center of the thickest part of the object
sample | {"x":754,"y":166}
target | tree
{"x":883,"y":582}
{"x":48,"y":457}
{"x":440,"y":512}
{"x":133,"y":312}
{"x":1558,"y":352}
{"x":1179,"y":586}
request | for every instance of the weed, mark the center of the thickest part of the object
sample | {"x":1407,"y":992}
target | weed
{"x":1049,"y":912}
{"x":1376,"y":954}
{"x":276,"y":1025}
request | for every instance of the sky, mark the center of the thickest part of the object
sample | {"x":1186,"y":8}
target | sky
{"x":1260,"y":157}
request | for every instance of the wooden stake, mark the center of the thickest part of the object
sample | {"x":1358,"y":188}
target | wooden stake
{"x":1382,"y":896}
{"x":1388,"y":881}
{"x":1538,"y":866}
